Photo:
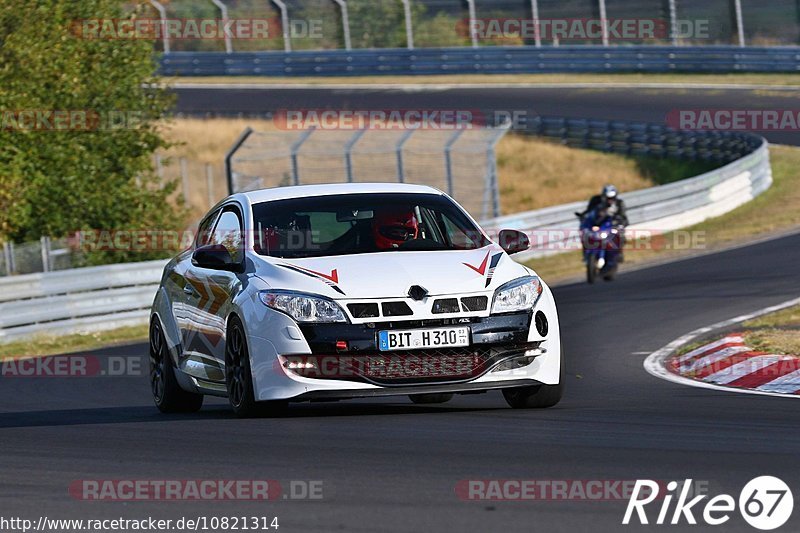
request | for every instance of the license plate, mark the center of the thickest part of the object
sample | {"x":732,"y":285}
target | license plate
{"x":417,"y":339}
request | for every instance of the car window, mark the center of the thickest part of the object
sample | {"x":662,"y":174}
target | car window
{"x":228,"y":233}
{"x":204,"y":229}
{"x":362,"y":223}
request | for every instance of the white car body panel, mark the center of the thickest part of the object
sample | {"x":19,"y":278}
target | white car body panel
{"x":346,"y":279}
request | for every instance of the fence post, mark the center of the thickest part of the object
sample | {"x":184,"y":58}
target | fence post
{"x":9,"y":258}
{"x":348,"y":153}
{"x":739,"y":21}
{"x":448,"y":161}
{"x":492,"y":185}
{"x":287,"y":38}
{"x":604,"y":21}
{"x":348,"y":45}
{"x":159,"y":171}
{"x":537,"y":29}
{"x":229,"y":157}
{"x":45,"y":245}
{"x":210,"y":184}
{"x":473,"y":31}
{"x":409,"y":28}
{"x":184,"y":180}
{"x":224,"y":12}
{"x":401,"y":171}
{"x":295,"y":150}
{"x":162,"y":12}
{"x":673,"y":22}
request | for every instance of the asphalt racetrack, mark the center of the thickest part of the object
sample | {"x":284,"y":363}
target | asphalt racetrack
{"x":636,"y":104}
{"x":388,"y":465}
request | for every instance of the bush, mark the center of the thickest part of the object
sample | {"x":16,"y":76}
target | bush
{"x":59,"y":178}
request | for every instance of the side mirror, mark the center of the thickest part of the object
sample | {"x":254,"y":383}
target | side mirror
{"x":513,"y":241}
{"x":215,"y":257}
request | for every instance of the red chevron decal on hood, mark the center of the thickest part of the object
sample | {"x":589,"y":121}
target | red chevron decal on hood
{"x":333,"y":276}
{"x":481,"y":269}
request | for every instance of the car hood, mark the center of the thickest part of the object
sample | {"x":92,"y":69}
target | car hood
{"x":392,"y":274}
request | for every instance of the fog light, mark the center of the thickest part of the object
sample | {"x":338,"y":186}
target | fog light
{"x":542,"y":326}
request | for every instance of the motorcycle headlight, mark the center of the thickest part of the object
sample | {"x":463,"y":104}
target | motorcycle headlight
{"x":303,"y":307}
{"x":518,"y":295}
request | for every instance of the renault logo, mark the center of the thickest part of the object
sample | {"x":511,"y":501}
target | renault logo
{"x":417,"y":293}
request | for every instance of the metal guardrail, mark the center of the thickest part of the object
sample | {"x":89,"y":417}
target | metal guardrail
{"x":106,"y":297}
{"x":658,"y":209}
{"x":78,"y":300}
{"x":489,"y":60}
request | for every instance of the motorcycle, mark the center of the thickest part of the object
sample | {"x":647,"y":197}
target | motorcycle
{"x":602,"y":245}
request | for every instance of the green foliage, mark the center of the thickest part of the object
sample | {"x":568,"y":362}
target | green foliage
{"x":55,"y":181}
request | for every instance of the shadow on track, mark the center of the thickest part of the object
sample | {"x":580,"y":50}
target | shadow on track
{"x":138,"y":414}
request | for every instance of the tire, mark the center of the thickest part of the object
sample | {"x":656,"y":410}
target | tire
{"x":239,"y":378}
{"x":611,"y":274}
{"x":429,"y":399}
{"x":591,"y":269}
{"x":536,"y":396}
{"x":169,"y":397}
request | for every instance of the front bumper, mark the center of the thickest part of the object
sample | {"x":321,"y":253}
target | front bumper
{"x":497,"y":357}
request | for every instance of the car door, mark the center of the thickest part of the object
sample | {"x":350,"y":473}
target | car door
{"x":208,"y":293}
{"x":179,"y":288}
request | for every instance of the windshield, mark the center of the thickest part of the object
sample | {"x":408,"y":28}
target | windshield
{"x":362,"y":223}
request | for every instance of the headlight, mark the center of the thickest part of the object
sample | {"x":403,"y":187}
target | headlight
{"x":518,"y":295}
{"x":303,"y":307}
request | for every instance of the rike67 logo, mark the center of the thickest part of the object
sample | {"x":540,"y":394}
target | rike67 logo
{"x":765,"y":503}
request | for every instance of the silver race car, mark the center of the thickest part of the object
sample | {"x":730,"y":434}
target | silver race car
{"x":331,"y":292}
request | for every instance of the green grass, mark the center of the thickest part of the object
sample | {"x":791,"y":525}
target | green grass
{"x":53,"y":345}
{"x":777,"y":333}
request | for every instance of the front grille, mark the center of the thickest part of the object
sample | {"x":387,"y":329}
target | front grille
{"x":403,"y":367}
{"x":396,"y":309}
{"x":446,"y":305}
{"x":475,"y":303}
{"x":363,"y":310}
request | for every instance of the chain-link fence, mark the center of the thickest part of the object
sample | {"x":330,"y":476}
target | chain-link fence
{"x":361,"y":24}
{"x":460,"y":162}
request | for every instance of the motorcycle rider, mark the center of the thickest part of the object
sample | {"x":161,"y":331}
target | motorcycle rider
{"x":609,"y":204}
{"x":609,"y":201}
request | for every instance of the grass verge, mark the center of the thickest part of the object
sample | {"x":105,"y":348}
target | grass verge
{"x":43,"y":345}
{"x":776,"y":210}
{"x":678,"y":79}
{"x":777,"y":333}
